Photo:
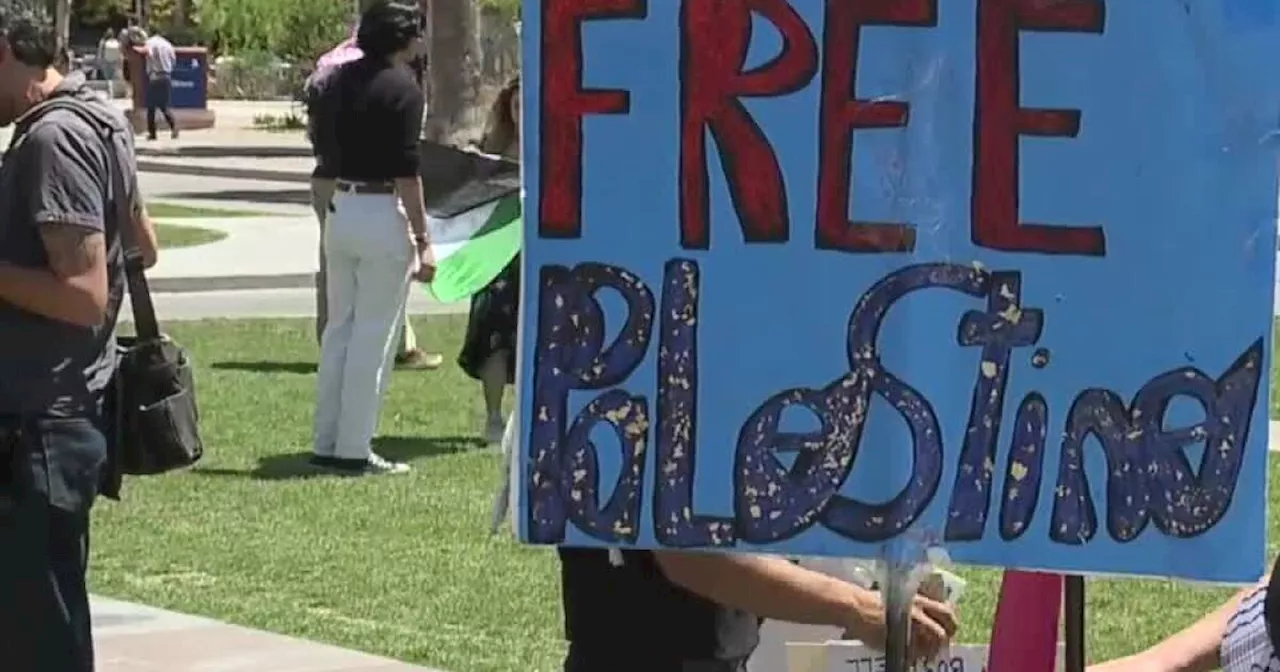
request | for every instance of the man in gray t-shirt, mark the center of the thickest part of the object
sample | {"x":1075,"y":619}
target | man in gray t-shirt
{"x":61,"y":284}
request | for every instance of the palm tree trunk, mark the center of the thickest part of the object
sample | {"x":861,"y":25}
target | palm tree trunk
{"x":453,"y":70}
{"x":62,"y":24}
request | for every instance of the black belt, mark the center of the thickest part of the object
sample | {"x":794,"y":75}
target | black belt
{"x":353,"y":187}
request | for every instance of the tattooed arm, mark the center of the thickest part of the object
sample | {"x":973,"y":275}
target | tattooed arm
{"x":74,"y":286}
{"x":61,"y":168}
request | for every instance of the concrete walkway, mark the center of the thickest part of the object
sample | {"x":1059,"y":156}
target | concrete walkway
{"x":258,"y":253}
{"x":267,"y":304}
{"x":134,"y":638}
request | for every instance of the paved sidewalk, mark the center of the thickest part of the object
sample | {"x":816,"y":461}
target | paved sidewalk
{"x":258,"y":253}
{"x":272,"y":168}
{"x":268,"y":304}
{"x":134,"y":638}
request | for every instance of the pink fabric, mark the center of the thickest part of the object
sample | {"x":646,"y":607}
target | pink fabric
{"x":1025,"y":635}
{"x":345,"y":51}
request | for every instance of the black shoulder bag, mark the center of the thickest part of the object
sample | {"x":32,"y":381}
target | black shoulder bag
{"x":153,"y":394}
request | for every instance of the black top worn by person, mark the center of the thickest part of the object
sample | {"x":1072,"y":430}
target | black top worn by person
{"x":630,"y":617}
{"x":368,"y":119}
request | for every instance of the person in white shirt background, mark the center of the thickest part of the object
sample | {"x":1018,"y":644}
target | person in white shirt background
{"x":109,"y":56}
{"x":160,"y":60}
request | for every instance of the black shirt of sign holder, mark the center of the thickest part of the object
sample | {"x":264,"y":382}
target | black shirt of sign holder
{"x":630,"y":617}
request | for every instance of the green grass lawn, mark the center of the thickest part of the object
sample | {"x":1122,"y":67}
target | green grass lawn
{"x":161,"y":210}
{"x":403,"y":566}
{"x":172,"y":236}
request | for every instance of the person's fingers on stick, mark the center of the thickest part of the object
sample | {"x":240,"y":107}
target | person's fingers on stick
{"x":942,"y":613}
{"x":927,"y":637}
{"x":933,"y":624}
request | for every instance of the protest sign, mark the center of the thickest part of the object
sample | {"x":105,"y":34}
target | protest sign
{"x":838,"y":656}
{"x":821,"y":278}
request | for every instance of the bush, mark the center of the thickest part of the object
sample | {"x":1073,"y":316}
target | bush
{"x":183,"y":36}
{"x":296,"y":31}
{"x":251,"y":75}
{"x":509,"y":8}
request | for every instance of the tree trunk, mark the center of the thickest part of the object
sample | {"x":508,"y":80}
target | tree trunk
{"x":62,"y":26}
{"x":453,"y":69}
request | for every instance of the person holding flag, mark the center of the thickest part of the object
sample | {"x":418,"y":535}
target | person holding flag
{"x":489,"y":347}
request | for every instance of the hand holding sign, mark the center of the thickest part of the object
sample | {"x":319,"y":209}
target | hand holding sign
{"x":933,"y":624}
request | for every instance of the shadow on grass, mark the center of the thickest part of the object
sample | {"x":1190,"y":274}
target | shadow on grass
{"x":296,"y":196}
{"x":406,"y":448}
{"x":300,"y":368}
{"x":295,"y":466}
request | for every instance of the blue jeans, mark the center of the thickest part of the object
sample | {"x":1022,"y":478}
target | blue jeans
{"x":159,"y":92}
{"x":49,"y":477}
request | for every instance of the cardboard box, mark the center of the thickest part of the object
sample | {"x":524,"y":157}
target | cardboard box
{"x":847,"y":656}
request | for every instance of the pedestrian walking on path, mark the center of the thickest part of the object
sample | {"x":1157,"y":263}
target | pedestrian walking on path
{"x":160,"y":60}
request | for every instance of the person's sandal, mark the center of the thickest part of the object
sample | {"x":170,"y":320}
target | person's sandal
{"x":417,"y":360}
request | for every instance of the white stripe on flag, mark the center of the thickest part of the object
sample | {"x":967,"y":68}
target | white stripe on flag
{"x":450,"y":235}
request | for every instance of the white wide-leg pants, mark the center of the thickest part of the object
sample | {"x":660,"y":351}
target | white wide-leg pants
{"x":368,"y":260}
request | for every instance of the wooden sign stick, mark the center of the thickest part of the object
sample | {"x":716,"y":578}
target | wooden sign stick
{"x":898,"y":593}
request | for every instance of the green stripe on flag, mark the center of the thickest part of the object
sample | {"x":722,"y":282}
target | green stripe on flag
{"x":472,"y":248}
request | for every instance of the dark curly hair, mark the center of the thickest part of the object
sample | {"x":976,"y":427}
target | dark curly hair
{"x":387,"y":27}
{"x":28,"y":29}
{"x":501,"y":130}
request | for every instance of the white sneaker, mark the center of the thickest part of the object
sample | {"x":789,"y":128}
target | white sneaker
{"x":378,"y":464}
{"x":375,"y":465}
{"x":494,"y":429}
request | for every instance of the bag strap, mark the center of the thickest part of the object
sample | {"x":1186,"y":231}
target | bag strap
{"x":144,"y":311}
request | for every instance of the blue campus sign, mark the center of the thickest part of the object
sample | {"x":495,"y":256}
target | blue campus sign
{"x":847,"y":278}
{"x":190,"y":80}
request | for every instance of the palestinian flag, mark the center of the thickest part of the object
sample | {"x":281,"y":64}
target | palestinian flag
{"x":472,"y":248}
{"x":473,"y":218}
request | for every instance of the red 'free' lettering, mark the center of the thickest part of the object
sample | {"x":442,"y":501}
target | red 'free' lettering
{"x":999,"y":121}
{"x":715,"y":35}
{"x":565,"y":102}
{"x":842,"y":113}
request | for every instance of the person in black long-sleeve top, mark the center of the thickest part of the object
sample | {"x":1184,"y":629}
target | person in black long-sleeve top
{"x":367,"y":121}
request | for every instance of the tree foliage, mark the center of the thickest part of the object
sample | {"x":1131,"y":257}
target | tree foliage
{"x":293,"y":30}
{"x":509,"y":8}
{"x":96,"y":12}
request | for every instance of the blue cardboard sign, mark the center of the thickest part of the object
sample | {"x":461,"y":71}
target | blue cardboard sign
{"x":190,"y":80}
{"x":853,"y":278}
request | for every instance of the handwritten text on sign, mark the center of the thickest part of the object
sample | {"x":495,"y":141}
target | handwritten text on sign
{"x":1009,"y":443}
{"x":838,"y":656}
